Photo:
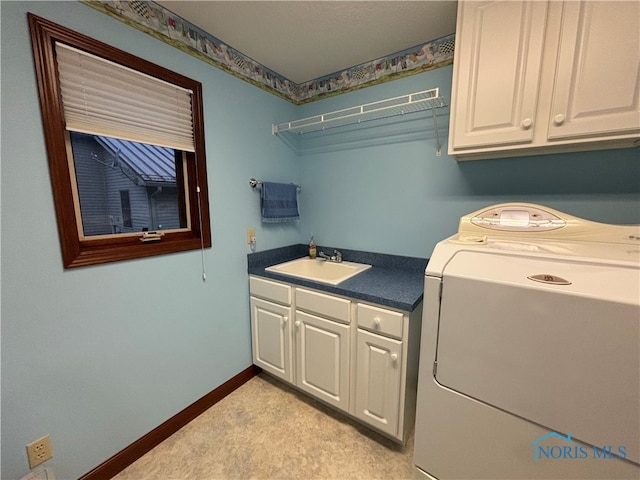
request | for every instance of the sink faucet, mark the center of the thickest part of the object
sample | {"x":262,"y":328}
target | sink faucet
{"x":336,"y":257}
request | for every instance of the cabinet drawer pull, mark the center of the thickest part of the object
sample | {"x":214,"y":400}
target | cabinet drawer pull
{"x":394,"y":357}
{"x":558,"y":119}
{"x":376,"y":321}
{"x":526,"y":123}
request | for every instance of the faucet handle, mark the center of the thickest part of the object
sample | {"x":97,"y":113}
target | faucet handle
{"x":338,"y":256}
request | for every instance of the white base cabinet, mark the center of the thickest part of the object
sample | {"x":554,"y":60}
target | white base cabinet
{"x":272,"y":345}
{"x":322,"y":359}
{"x":378,"y":381}
{"x":359,"y":358}
{"x":545,"y":76}
{"x":386,"y":367}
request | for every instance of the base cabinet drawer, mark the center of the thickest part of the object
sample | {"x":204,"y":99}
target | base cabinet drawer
{"x":324,"y":305}
{"x":380,"y":320}
{"x":378,"y":381}
{"x":270,"y":290}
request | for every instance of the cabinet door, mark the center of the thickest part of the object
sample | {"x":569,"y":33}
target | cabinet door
{"x":271,"y":337}
{"x":496,"y":72}
{"x":378,"y":381}
{"x":597,"y":80}
{"x":322,"y":359}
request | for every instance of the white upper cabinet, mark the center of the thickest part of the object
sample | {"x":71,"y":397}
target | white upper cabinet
{"x":542,"y":77}
{"x":497,"y":72}
{"x":598,"y":76}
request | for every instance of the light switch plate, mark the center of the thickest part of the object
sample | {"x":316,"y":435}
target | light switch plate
{"x":251,"y":235}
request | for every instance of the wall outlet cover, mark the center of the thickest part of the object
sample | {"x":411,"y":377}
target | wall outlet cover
{"x":39,"y":451}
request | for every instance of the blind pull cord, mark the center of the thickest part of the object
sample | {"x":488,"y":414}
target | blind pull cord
{"x":204,"y":272}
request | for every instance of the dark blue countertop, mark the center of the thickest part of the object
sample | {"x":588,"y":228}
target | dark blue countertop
{"x":393,"y":281}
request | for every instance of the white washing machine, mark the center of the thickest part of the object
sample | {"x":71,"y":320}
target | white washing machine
{"x":530,"y":353}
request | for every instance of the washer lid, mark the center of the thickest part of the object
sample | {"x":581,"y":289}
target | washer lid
{"x":524,"y":228}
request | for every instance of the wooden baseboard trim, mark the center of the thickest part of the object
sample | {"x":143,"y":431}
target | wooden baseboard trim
{"x":121,"y":460}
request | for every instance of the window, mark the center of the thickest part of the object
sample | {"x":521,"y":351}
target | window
{"x":125,"y":142}
{"x":112,"y":173}
{"x":125,"y":208}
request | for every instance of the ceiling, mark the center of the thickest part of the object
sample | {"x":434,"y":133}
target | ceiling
{"x":306,"y":39}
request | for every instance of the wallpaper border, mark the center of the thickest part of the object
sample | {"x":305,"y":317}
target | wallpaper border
{"x":162,"y":24}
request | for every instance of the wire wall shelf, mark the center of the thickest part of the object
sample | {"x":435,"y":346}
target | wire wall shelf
{"x":390,"y":107}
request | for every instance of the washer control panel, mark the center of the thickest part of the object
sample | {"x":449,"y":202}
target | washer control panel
{"x":517,"y":219}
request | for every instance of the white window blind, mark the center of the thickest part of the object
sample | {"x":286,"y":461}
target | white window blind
{"x":103,"y":98}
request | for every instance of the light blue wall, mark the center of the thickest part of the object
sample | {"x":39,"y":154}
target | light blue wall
{"x":98,"y":356}
{"x":401,"y":198}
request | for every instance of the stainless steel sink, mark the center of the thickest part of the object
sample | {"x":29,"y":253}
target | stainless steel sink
{"x":319,"y":270}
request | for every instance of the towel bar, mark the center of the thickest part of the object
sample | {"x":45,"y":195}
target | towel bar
{"x":256,"y":183}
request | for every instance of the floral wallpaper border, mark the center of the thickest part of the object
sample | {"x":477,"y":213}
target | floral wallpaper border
{"x":157,"y":21}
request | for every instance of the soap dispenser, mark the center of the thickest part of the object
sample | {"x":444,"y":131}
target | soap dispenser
{"x":312,"y":248}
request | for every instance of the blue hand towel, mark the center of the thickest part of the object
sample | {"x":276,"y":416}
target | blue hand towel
{"x":279,"y":202}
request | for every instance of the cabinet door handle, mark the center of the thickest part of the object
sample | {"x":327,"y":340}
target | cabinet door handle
{"x":558,"y":119}
{"x":526,"y":123}
{"x":394,"y":357}
{"x":285,"y":319}
{"x":297,"y":323}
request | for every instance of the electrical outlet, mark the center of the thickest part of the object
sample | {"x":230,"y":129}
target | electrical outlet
{"x":39,"y":451}
{"x":251,"y":236}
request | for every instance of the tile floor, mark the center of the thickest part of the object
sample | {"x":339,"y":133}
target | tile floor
{"x":267,"y":430}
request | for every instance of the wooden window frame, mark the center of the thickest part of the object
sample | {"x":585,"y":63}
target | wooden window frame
{"x":75,"y":251}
